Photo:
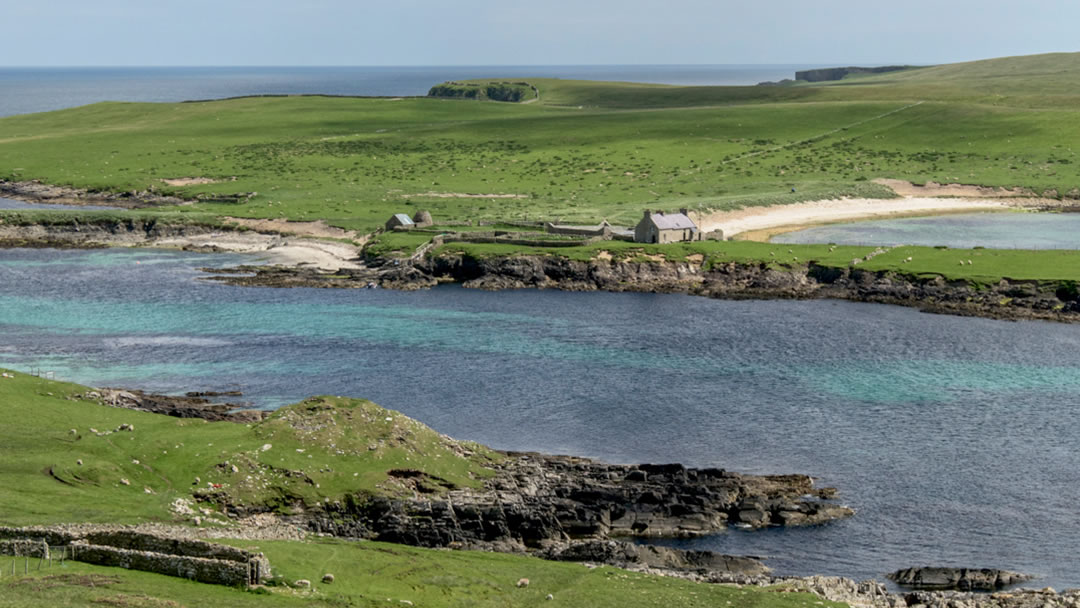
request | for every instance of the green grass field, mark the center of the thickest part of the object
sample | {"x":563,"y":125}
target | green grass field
{"x":586,"y":151}
{"x":369,"y":574}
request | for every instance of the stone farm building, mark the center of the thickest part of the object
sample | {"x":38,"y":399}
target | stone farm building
{"x":658,"y":227}
{"x":399,"y":219}
{"x":422,"y":219}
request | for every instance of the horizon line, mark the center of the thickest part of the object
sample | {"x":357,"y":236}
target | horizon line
{"x":466,"y":65}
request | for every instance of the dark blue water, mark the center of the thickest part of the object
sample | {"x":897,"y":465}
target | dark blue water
{"x":25,"y":90}
{"x":997,"y":230}
{"x":954,"y":438}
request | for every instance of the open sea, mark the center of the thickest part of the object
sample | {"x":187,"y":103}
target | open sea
{"x":954,"y":438}
{"x":25,"y":90}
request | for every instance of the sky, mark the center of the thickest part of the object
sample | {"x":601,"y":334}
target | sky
{"x":528,"y":32}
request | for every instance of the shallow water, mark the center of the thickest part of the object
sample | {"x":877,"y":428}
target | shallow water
{"x":954,"y":438}
{"x":992,"y":230}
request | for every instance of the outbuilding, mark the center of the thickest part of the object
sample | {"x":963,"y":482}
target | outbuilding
{"x":400,"y":220}
{"x":660,"y":227}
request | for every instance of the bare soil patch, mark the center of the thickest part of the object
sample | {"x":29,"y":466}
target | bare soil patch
{"x":934,"y":189}
{"x":318,"y":229}
{"x":189,"y":181}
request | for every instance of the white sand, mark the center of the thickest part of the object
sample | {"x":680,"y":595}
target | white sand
{"x":824,"y":212}
{"x":287,"y":251}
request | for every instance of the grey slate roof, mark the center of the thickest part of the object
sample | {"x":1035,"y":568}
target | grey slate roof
{"x":673,"y":221}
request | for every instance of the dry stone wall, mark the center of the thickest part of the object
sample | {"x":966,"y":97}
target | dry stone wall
{"x":197,"y":560}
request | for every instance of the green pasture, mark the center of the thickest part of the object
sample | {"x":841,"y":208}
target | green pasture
{"x":586,"y":151}
{"x":368,"y":574}
{"x":322,"y":448}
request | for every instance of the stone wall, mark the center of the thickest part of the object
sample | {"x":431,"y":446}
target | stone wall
{"x":201,"y":569}
{"x":24,"y":548}
{"x":193,"y":559}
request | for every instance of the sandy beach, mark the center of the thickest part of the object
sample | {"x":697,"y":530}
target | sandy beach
{"x":294,"y":251}
{"x":761,"y":223}
{"x":766,"y":221}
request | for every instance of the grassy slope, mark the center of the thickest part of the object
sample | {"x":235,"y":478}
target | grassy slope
{"x":379,"y":574}
{"x":335,"y":435}
{"x":326,"y":440}
{"x":587,"y":151}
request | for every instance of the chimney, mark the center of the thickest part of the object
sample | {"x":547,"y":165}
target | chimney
{"x":685,"y":211}
{"x":646,"y":214}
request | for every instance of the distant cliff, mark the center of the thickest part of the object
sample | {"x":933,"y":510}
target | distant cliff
{"x":823,"y":74}
{"x":495,"y":91}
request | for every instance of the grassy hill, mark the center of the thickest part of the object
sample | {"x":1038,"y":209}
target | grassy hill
{"x":69,"y":462}
{"x":585,"y":151}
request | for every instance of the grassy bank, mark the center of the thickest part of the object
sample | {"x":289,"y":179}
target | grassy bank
{"x":62,"y":458}
{"x":380,"y":574}
{"x":584,"y":152}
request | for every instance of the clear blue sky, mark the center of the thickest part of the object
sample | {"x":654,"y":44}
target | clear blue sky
{"x":529,"y":32}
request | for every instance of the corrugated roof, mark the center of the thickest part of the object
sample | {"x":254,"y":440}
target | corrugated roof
{"x":673,"y":221}
{"x":404,"y":219}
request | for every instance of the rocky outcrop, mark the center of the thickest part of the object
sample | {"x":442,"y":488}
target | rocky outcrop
{"x":37,"y":192}
{"x":826,"y":74}
{"x":872,"y":594}
{"x":535,"y":499}
{"x":732,"y":280}
{"x":963,"y":579}
{"x":195,"y":405}
{"x":96,"y":232}
{"x":621,"y":554}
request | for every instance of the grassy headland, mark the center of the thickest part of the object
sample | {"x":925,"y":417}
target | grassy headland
{"x":321,"y":448}
{"x":585,"y":151}
{"x":62,"y":458}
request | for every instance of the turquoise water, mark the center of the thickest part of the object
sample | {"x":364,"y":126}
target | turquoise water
{"x":991,"y":230}
{"x":954,"y":438}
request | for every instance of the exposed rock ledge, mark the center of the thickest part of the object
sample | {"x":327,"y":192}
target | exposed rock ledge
{"x":539,"y":501}
{"x":1005,"y":300}
{"x":1008,"y":299}
{"x":964,"y":579}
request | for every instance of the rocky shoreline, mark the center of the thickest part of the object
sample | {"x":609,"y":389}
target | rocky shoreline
{"x":537,"y":501}
{"x":1006,"y":300}
{"x":37,"y":192}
